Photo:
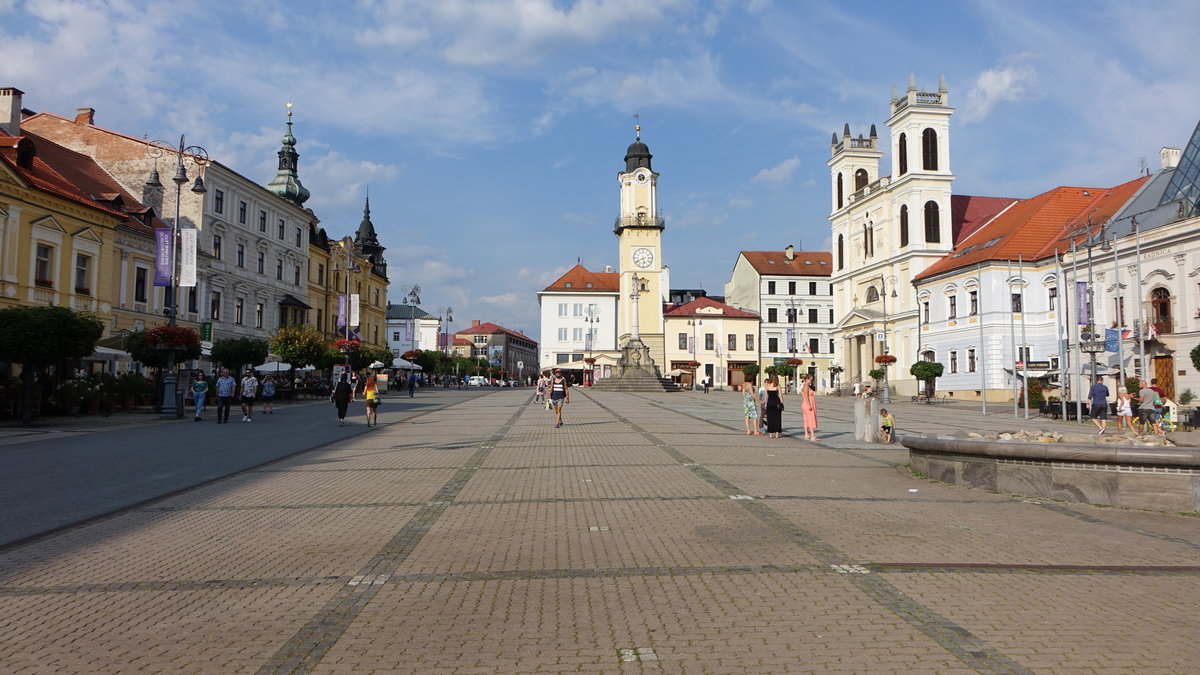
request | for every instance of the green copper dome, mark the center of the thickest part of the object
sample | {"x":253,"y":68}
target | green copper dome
{"x":287,"y":183}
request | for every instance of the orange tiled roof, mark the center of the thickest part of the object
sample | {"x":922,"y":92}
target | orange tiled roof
{"x":803,"y":263}
{"x":692,"y":309}
{"x":41,"y":175}
{"x":490,"y":328}
{"x":968,"y":213}
{"x":578,"y":278}
{"x":1034,"y":228}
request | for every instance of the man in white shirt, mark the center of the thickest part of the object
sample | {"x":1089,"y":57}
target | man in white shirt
{"x":249,"y":389}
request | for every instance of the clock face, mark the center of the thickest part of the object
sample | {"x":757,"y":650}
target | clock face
{"x":643,"y":257}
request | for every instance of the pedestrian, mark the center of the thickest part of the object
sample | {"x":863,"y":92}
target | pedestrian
{"x":199,"y":386}
{"x":887,"y":425}
{"x":808,"y":405}
{"x":268,"y":393}
{"x":226,"y":386}
{"x":412,"y":384}
{"x":371,"y":392}
{"x":707,"y":382}
{"x":249,"y":390}
{"x":1147,"y":415}
{"x":857,"y":389}
{"x":342,"y":396}
{"x":1098,"y":395}
{"x":539,"y":395}
{"x":751,"y":404}
{"x":1124,"y":410}
{"x":560,"y":395}
{"x":774,"y":407}
{"x":868,"y":392}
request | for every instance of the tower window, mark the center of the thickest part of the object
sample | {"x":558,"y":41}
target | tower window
{"x":872,"y":294}
{"x":839,"y":191}
{"x":929,"y":153}
{"x":904,"y":225}
{"x":841,"y":251}
{"x":902,"y":153}
{"x":933,"y":230}
{"x":860,"y":179}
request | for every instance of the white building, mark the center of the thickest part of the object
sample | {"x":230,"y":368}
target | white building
{"x":411,"y":328}
{"x":579,"y":320}
{"x":790,"y":291}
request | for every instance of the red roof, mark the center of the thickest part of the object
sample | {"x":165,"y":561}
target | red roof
{"x":579,"y":278}
{"x":41,"y":175}
{"x":803,"y":263}
{"x":492,"y":329}
{"x":692,"y":309}
{"x":968,"y":213}
{"x":1034,"y":228}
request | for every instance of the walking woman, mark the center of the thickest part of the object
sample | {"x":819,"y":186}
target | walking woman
{"x":1124,"y":410}
{"x":371,"y":392}
{"x":342,"y":395}
{"x":808,"y":405}
{"x":560,"y":395}
{"x":268,"y":392}
{"x":751,"y":403}
{"x":774,"y":407}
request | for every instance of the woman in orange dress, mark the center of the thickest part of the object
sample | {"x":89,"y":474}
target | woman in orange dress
{"x":808,"y":404}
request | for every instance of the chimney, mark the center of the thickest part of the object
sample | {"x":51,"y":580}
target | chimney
{"x":789,"y":252}
{"x":1168,"y":158}
{"x":10,"y":110}
{"x":85,"y":116}
{"x":474,"y":323}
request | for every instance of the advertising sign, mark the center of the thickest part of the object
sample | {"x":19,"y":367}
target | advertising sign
{"x":162,"y":256}
{"x":187,"y":258}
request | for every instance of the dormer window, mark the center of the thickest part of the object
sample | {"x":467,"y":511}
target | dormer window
{"x":568,"y":284}
{"x":588,"y":285}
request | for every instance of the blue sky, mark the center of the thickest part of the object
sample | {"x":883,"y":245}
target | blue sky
{"x":491,"y":132}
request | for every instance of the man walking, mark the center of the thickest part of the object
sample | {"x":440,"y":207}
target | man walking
{"x":412,"y":384}
{"x":1098,"y":395}
{"x":225,"y":387}
{"x":249,"y":390}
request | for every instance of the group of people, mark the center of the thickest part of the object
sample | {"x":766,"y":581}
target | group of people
{"x":246,"y":392}
{"x":763,"y":407}
{"x":1153,"y":416}
{"x":554,"y":392}
{"x":344,"y":394}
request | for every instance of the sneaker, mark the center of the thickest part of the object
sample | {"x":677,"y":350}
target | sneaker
{"x":1101,"y":433}
{"x":197,"y":418}
{"x":249,"y":419}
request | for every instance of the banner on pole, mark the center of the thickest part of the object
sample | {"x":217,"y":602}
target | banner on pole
{"x":341,"y":320}
{"x":791,"y":339}
{"x":162,"y":256}
{"x":408,"y":330}
{"x":1112,"y":338}
{"x":1081,"y":301}
{"x":187,"y":258}
{"x":354,"y":309}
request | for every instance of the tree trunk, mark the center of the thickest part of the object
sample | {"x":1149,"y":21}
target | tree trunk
{"x":27,"y":384}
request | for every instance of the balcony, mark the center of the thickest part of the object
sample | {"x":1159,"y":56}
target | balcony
{"x":622,"y":222}
{"x":1162,"y":326}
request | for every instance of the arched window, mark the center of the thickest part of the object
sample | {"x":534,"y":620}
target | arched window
{"x":872,"y":294}
{"x":1160,"y":300}
{"x":933,"y":230}
{"x":860,"y":179}
{"x":902,"y":153}
{"x":929,"y":158}
{"x":841,"y":252}
{"x":904,"y":225}
{"x":928,"y":356}
{"x":839,"y":191}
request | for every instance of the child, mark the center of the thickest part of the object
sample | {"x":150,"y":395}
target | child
{"x":887,"y":424}
{"x":1164,"y":423}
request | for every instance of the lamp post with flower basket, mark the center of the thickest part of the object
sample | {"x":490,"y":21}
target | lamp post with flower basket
{"x":885,"y":360}
{"x":178,"y":341}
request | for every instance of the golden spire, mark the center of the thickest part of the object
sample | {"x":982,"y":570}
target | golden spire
{"x":637,"y":127}
{"x":289,"y":110}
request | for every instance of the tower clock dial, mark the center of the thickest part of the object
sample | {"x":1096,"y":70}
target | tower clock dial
{"x":643,"y":257}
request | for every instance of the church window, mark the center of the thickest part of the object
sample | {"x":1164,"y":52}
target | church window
{"x":860,"y":179}
{"x":902,"y":153}
{"x":929,"y":152}
{"x":839,"y":190}
{"x":904,"y":225}
{"x":872,"y":294}
{"x":841,"y":252}
{"x":933,"y":229}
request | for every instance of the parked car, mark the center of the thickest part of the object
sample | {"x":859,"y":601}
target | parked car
{"x":477,"y":381}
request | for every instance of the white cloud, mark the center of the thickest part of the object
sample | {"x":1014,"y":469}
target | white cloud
{"x":778,"y":175}
{"x":504,"y":300}
{"x":996,"y":85}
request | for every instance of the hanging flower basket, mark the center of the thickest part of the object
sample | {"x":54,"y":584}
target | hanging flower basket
{"x":589,"y":360}
{"x":885,"y":359}
{"x":173,"y":337}
{"x":795,"y":362}
{"x":346,"y":346}
{"x":411,"y":354}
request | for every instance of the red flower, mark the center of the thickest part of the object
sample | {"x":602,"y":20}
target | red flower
{"x":347,"y":345}
{"x":173,"y":337}
{"x":885,"y":359}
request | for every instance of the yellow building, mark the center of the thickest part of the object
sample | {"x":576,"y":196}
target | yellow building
{"x":706,"y":338}
{"x":327,"y":279}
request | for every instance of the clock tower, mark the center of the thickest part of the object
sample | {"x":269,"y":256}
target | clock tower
{"x":639,"y":234}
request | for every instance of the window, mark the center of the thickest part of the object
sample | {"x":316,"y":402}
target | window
{"x":1053,"y":297}
{"x":974,"y":295}
{"x":839,"y":190}
{"x":925,"y":311}
{"x":683,"y":341}
{"x":791,"y":315}
{"x":562,"y":334}
{"x":812,"y":316}
{"x":139,"y":284}
{"x":791,"y":288}
{"x":83,"y":276}
{"x":831,"y":316}
{"x":772,"y":315}
{"x":929,"y":151}
{"x":868,"y":241}
{"x":214,"y":308}
{"x":296,"y":275}
{"x":241,"y":255}
{"x":933,"y":228}
{"x":219,"y":201}
{"x":320,"y":273}
{"x":812,"y":288}
{"x":217,"y":246}
{"x":279,"y":268}
{"x":1016,"y":303}
{"x":258,"y":315}
{"x":710,"y":342}
{"x":1120,"y":311}
{"x":262,"y":261}
{"x":242,"y":212}
{"x":1023,"y":354}
{"x":770,"y":288}
{"x":262,"y":221}
{"x":749,"y":342}
{"x":239,"y":310}
{"x":814,"y":345}
{"x":577,"y":309}
{"x":831,"y":345}
{"x":43,"y":269}
{"x":772,"y":345}
{"x":841,"y":251}
{"x":904,"y":225}
{"x":902,"y":155}
{"x":395,"y":336}
{"x":970,"y":360}
{"x":953,"y":362}
{"x":577,"y":334}
{"x":733,"y":342}
{"x":872,"y":294}
{"x":376,"y":296}
{"x":562,"y":309}
{"x":860,"y":179}
{"x":297,"y":236}
{"x":953,"y":313}
{"x":282,"y":227}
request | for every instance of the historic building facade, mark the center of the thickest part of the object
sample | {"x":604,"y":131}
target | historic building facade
{"x":579,"y":314}
{"x":710,"y":339}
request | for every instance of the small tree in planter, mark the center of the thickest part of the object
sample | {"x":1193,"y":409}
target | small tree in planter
{"x":927,"y":372}
{"x":877,"y":375}
{"x":751,"y":370}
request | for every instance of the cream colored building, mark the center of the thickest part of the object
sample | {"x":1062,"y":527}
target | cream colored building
{"x":706,"y":338}
{"x":639,"y":229}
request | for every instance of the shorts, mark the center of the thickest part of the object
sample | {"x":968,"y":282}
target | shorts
{"x":269,"y":399}
{"x":1099,"y":412}
{"x":557,"y":401}
{"x":1149,"y":415}
{"x":372,"y":403}
{"x":886,"y":430}
{"x":248,"y":400}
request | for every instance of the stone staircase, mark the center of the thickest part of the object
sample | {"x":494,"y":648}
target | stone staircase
{"x":638,"y":381}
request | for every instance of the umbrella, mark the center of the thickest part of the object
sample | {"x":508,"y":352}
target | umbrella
{"x":376,"y":365}
{"x":677,"y":372}
{"x":273,"y":367}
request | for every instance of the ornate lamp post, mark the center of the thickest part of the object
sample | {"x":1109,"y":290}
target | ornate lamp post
{"x":447,"y":312}
{"x":350,"y":268}
{"x":198,"y":155}
{"x":884,"y":281}
{"x":591,"y":320}
{"x":412,"y":296}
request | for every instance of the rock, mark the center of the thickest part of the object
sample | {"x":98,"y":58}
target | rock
{"x":1085,"y":439}
{"x":1006,"y":436}
{"x":1187,"y":439}
{"x":975,"y":435}
{"x":1046,"y":439}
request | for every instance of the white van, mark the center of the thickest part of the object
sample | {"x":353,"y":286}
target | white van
{"x":477,"y":381}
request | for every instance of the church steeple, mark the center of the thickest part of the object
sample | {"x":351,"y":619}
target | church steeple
{"x":366,"y":242}
{"x":286,"y":183}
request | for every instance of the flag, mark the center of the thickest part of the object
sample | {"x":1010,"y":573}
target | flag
{"x":1112,"y":338}
{"x":341,"y":319}
{"x":691,"y":345}
{"x":791,"y":339}
{"x":408,"y":330}
{"x":187,"y":257}
{"x":1126,"y":334}
{"x":162,"y":256}
{"x":1081,"y":301}
{"x":1153,"y":333}
{"x":354,"y":309}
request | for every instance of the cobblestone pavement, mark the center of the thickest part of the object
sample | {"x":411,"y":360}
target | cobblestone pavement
{"x":649,"y":534}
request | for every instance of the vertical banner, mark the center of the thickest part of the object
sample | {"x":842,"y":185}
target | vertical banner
{"x":187,"y":258}
{"x":1112,"y":339}
{"x":1081,"y":301}
{"x":791,"y":339}
{"x":354,"y":310}
{"x":587,"y":341}
{"x":341,"y":320}
{"x":408,"y":330}
{"x":691,"y":344}
{"x":162,"y":256}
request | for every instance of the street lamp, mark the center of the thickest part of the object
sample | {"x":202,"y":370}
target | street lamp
{"x":411,"y":296}
{"x":592,"y":319}
{"x":884,"y":281}
{"x":199,"y":155}
{"x":351,"y":268}
{"x":793,"y":337}
{"x":448,"y":313}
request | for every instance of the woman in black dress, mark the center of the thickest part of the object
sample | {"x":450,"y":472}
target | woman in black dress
{"x":343,"y":394}
{"x":774,"y":407}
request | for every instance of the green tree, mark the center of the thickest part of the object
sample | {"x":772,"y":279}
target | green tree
{"x":141,"y":350}
{"x":1196,"y":357}
{"x":751,"y":370}
{"x":927,"y":372}
{"x":36,"y":337}
{"x":298,"y":345}
{"x":234,"y":353}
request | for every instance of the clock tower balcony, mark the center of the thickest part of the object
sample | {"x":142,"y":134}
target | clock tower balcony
{"x":638,"y":221}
